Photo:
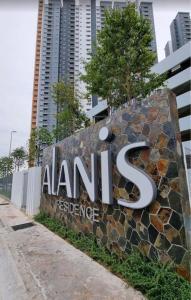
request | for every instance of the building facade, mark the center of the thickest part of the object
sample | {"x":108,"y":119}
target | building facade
{"x":168,"y":48}
{"x":57,"y":56}
{"x":146,"y":10}
{"x":180,"y":29}
{"x":37,"y":66}
{"x":90,"y":17}
{"x":67,"y":38}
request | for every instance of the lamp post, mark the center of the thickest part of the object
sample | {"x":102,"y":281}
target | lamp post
{"x":6,"y":184}
{"x":13,"y":131}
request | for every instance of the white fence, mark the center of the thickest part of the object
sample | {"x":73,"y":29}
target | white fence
{"x":18,"y":194}
{"x":26,"y":190}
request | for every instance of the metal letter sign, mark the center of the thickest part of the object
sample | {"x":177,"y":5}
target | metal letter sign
{"x":90,"y":184}
{"x":65,"y":179}
{"x":46,"y":180}
{"x":144,"y":183}
{"x":106,"y":178}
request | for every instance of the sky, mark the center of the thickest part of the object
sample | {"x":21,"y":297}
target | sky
{"x":18,"y":24}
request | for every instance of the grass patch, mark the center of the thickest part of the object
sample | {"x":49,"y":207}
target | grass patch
{"x":5,"y":194}
{"x":155,"y":280}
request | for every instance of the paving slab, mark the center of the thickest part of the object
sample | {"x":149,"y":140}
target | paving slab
{"x":37,"y":264}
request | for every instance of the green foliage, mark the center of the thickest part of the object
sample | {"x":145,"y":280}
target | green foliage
{"x":44,"y":136}
{"x":120,"y":68}
{"x":155,"y":280}
{"x":6,"y":166}
{"x":32,"y":147}
{"x":19,"y":155}
{"x":38,"y":138}
{"x":5,"y":194}
{"x":70,"y":117}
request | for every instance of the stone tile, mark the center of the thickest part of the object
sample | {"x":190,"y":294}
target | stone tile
{"x":162,"y":243}
{"x":129,"y":186}
{"x":144,"y":247}
{"x":175,"y":201}
{"x":122,"y":243}
{"x":153,"y":233}
{"x":164,"y":215}
{"x":146,"y":130}
{"x":162,"y":141}
{"x":132,"y":223}
{"x":172,"y":144}
{"x":152,"y":114}
{"x":162,"y":166}
{"x":154,"y":155}
{"x":172,"y":170}
{"x":153,"y":253}
{"x":168,"y":129}
{"x":175,"y":185}
{"x":154,"y":207}
{"x":128,"y":247}
{"x":116,"y":214}
{"x":175,"y":220}
{"x":114,"y":235}
{"x":103,"y":227}
{"x":135,"y":238}
{"x":176,"y":253}
{"x":163,"y":201}
{"x":122,"y":218}
{"x":129,"y":232}
{"x":145,"y":154}
{"x":172,"y":235}
{"x":145,"y":218}
{"x":156,"y":222}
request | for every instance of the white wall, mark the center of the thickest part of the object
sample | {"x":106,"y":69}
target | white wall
{"x":26,"y":190}
{"x":33,"y":191}
{"x":18,"y":195}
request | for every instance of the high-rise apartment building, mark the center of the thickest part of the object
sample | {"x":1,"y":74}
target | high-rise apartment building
{"x":180,"y":29}
{"x":168,"y":48}
{"x":85,"y":32}
{"x":68,"y":38}
{"x":57,"y":56}
{"x":146,"y":10}
{"x":37,"y":66}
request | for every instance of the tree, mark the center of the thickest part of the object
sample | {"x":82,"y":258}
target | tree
{"x":39,"y":137}
{"x":120,"y":69}
{"x":6,"y":166}
{"x":69,"y":117}
{"x":32,"y":148}
{"x":19,"y":155}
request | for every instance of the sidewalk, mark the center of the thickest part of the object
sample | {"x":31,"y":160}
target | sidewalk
{"x":36,"y":264}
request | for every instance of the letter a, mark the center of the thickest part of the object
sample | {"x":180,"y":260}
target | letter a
{"x":46,"y":180}
{"x":65,"y":179}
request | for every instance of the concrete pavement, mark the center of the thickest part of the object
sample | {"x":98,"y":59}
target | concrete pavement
{"x":35,"y":264}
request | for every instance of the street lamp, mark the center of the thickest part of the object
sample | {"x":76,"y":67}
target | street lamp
{"x":13,"y":131}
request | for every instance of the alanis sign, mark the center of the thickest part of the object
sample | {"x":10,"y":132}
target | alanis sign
{"x":123,"y":180}
{"x":70,"y":173}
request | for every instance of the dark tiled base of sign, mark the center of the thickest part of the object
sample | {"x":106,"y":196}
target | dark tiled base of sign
{"x":158,"y":230}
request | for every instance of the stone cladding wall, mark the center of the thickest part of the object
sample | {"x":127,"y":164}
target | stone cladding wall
{"x":158,"y":231}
